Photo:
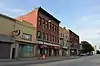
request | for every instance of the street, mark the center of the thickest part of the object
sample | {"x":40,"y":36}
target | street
{"x":84,"y":61}
{"x":56,"y":61}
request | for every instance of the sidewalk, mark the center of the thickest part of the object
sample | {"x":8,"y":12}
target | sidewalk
{"x":35,"y":58}
{"x":26,"y":61}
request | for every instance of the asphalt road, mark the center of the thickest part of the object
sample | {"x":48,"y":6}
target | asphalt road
{"x":27,"y":62}
{"x":84,"y":61}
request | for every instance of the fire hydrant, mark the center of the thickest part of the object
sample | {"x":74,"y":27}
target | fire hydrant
{"x":43,"y":57}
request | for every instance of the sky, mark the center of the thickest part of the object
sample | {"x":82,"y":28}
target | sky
{"x":81,"y":16}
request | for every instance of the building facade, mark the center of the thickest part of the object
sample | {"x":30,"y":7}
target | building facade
{"x":26,"y":40}
{"x":47,"y":29}
{"x":74,"y":42}
{"x":17,"y":38}
{"x":63,"y":41}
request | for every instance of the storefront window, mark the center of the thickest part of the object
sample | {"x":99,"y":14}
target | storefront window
{"x":26,"y":36}
{"x":26,"y":50}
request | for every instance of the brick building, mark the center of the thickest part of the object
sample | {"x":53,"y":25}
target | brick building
{"x":74,"y":42}
{"x":63,"y":41}
{"x":47,"y":29}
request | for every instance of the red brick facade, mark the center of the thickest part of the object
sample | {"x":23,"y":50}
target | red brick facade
{"x":74,"y":41}
{"x":47,"y":26}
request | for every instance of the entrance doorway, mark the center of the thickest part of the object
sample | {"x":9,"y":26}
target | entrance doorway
{"x":42,"y":51}
{"x":50,"y":52}
{"x":13,"y":53}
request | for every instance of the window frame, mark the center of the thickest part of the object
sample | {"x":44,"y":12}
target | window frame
{"x":23,"y":36}
{"x":43,"y":22}
{"x":39,"y":20}
{"x":40,"y":35}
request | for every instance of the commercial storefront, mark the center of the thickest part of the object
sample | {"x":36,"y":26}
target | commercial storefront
{"x":5,"y":50}
{"x":26,"y":50}
{"x":47,"y":50}
{"x":64,"y":52}
{"x":5,"y":46}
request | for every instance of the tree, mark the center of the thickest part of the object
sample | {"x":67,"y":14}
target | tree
{"x":87,"y":47}
{"x":98,"y":52}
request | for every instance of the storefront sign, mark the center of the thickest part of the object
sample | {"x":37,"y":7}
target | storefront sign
{"x":56,"y":47}
{"x":42,"y":46}
{"x":16,"y":32}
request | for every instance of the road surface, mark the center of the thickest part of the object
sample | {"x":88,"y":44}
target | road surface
{"x":84,"y":61}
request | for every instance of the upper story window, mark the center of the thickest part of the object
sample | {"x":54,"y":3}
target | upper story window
{"x":66,"y":36}
{"x":43,"y":35}
{"x":57,"y":41}
{"x":50,"y":38}
{"x":52,"y":27}
{"x":47,"y":36}
{"x":55,"y":28}
{"x":46,"y":24}
{"x":26,"y":36}
{"x":39,"y":34}
{"x":61,"y":34}
{"x":49,"y":26}
{"x":53,"y":38}
{"x":43,"y":20}
{"x":39,"y":21}
{"x":63,"y":43}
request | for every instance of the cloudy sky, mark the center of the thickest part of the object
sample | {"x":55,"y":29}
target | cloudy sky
{"x":81,"y":16}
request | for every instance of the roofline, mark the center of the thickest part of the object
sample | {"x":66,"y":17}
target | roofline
{"x":52,"y":17}
{"x":73,"y":32}
{"x":14,"y":19}
{"x":7,"y":17}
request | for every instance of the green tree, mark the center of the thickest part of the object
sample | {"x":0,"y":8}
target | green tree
{"x":87,"y":47}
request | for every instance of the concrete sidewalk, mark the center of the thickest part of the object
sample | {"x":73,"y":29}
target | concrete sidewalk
{"x":37,"y":60}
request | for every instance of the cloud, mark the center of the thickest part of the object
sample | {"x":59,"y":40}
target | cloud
{"x":14,"y":12}
{"x":17,"y":10}
{"x":88,"y":28}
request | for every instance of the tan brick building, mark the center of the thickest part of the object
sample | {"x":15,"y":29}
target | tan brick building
{"x":63,"y":41}
{"x":22,"y":45}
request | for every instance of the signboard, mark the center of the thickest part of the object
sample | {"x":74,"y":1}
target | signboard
{"x":16,"y":33}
